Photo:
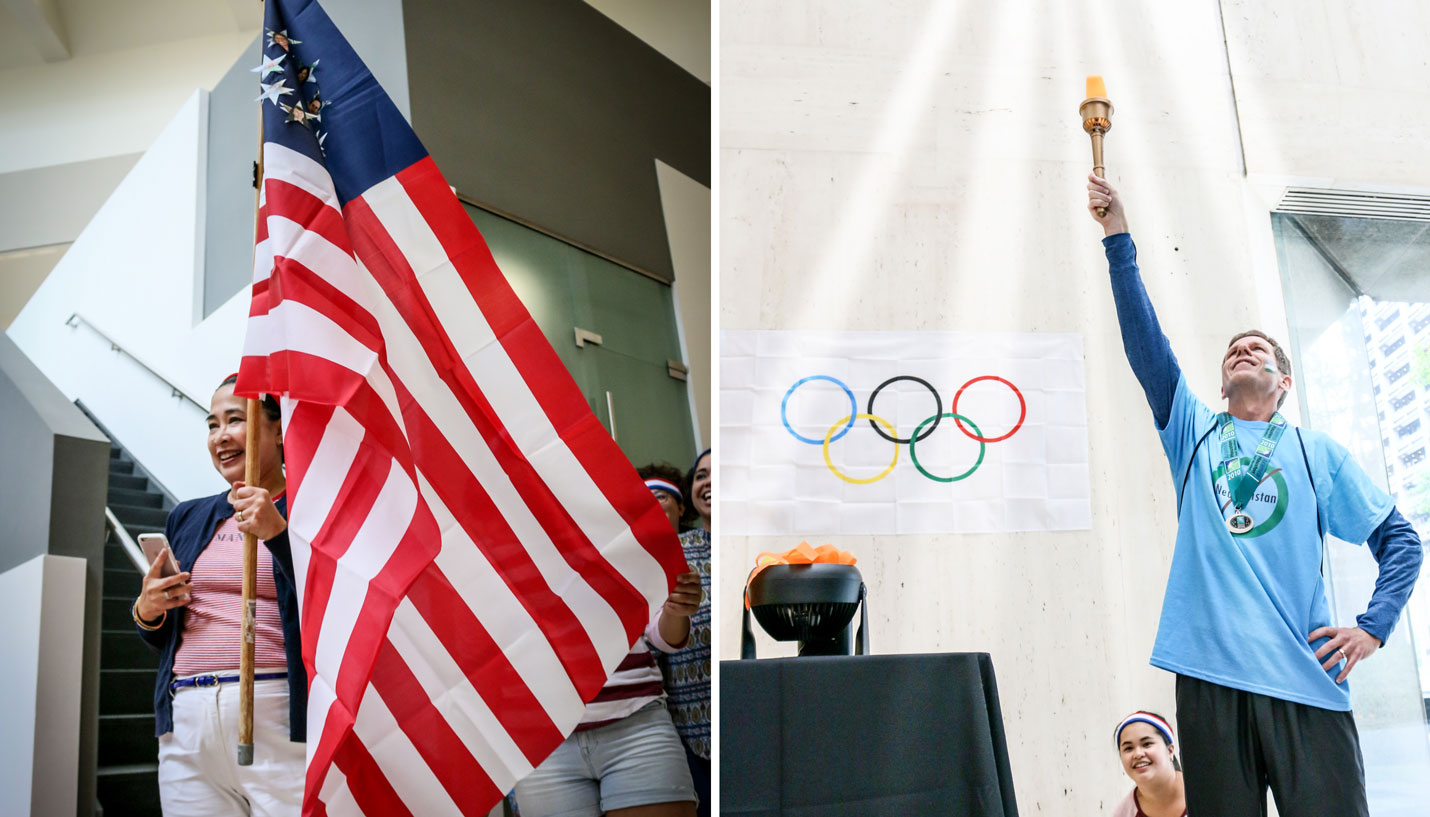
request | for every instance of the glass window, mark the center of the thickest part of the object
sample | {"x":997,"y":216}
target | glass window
{"x":1356,"y":292}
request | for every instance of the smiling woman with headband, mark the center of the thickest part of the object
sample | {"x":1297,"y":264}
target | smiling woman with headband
{"x":1145,"y":743}
{"x":687,"y":671}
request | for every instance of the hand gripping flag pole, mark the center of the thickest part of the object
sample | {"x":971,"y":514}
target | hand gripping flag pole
{"x":1096,"y":113}
{"x":250,"y":541}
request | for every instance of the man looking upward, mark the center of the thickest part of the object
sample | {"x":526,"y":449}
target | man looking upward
{"x":1262,"y":695}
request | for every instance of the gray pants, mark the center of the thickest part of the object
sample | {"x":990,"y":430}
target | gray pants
{"x":1234,"y":744}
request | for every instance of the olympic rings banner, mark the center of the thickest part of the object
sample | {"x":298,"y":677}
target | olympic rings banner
{"x":901,"y":432}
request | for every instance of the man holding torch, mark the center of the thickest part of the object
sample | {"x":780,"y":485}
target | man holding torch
{"x":1262,"y":692}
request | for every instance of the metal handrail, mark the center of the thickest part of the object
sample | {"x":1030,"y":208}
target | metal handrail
{"x":132,"y":550}
{"x":75,"y":319}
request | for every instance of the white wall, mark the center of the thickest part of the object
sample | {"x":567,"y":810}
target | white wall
{"x":105,"y":104}
{"x":131,"y":273}
{"x":921,"y":165}
{"x":686,"y":204}
{"x":42,"y":602}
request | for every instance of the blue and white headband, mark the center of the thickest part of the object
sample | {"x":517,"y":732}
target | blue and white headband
{"x":1147,"y":718}
{"x":661,"y":485}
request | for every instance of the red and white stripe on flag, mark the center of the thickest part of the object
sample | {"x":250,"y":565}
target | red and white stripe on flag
{"x":476,"y":554}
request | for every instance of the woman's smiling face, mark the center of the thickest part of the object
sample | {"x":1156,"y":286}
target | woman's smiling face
{"x":700,"y":488}
{"x":228,"y":435}
{"x":1145,"y":754}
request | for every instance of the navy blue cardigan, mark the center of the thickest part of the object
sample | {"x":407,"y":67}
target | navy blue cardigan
{"x":190,"y":528}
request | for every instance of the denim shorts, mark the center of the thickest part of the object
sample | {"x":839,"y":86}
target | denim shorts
{"x":636,"y":761}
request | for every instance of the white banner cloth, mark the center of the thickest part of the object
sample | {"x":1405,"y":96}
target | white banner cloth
{"x":792,"y":462}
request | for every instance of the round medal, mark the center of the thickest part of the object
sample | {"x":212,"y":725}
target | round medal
{"x":1240,"y":522}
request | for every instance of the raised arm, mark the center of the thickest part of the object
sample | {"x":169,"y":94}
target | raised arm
{"x":1146,"y":346}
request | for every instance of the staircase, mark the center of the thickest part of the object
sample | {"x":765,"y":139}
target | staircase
{"x":128,"y":751}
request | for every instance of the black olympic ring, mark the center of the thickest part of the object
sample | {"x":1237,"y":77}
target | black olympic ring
{"x":938,"y":409}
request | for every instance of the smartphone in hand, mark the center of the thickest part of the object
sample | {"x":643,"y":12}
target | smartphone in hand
{"x":156,"y":546}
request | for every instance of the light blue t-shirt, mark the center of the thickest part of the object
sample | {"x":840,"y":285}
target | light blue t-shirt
{"x":1238,"y":609}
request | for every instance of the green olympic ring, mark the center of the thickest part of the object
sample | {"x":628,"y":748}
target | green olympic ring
{"x":982,"y":447}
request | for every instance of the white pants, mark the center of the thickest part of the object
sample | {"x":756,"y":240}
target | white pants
{"x":198,"y":767}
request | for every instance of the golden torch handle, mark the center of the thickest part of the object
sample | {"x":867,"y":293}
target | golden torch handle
{"x":1097,"y":121}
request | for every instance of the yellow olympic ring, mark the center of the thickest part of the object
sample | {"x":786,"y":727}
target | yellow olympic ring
{"x":851,"y":480}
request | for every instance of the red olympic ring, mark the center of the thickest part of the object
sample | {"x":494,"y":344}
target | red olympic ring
{"x":1022,"y":409}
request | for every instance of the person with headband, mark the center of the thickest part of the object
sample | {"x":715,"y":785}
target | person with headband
{"x":663,"y":480}
{"x":687,"y":671}
{"x":1146,"y":746}
{"x":193,"y":620}
{"x":1261,"y":672}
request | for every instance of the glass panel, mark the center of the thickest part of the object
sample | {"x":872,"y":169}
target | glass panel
{"x":1360,"y":379}
{"x":564,"y":287}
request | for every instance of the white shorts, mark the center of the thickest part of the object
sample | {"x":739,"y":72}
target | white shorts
{"x":198,"y":763}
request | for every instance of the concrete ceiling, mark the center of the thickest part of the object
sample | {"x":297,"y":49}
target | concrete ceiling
{"x":35,"y":32}
{"x":679,"y":29}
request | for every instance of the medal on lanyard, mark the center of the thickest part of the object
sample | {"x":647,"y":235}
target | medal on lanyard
{"x":1243,"y":486}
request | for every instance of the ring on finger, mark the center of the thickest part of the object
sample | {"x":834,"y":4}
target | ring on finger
{"x":240,"y":516}
{"x":1344,"y":657}
{"x":167,"y":597}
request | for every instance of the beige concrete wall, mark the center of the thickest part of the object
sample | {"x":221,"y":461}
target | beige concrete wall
{"x":920,"y":165}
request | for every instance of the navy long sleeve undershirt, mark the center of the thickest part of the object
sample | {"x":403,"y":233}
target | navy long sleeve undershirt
{"x":1394,"y":543}
{"x":1147,"y":348}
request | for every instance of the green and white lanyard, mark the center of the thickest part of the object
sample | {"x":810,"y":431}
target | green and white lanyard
{"x":1243,"y":486}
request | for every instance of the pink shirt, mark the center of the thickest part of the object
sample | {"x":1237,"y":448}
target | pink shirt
{"x":213,"y":626}
{"x":1129,"y":807}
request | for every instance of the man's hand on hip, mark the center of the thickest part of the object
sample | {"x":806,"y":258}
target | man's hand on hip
{"x":1348,"y":644}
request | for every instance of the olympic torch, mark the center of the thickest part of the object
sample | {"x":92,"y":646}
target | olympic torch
{"x":1096,"y":112}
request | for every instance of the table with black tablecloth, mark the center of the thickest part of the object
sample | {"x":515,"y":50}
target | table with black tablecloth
{"x":857,"y":736}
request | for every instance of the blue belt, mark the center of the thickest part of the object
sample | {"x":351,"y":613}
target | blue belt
{"x":215,"y":680}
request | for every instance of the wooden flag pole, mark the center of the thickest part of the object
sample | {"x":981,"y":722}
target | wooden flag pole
{"x":250,"y":598}
{"x":250,"y":542}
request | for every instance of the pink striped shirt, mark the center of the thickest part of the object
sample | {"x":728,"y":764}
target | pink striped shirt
{"x":213,"y":626}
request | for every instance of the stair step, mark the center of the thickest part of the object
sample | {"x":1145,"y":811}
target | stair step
{"x":139,"y":499}
{"x":128,"y":482}
{"x":116,"y":615}
{"x":116,"y":557}
{"x":121,"y":466}
{"x":131,"y":515}
{"x":127,"y":739}
{"x":129,"y":769}
{"x":129,"y":790}
{"x":123,"y":649}
{"x":121,"y":582}
{"x":126,"y":691}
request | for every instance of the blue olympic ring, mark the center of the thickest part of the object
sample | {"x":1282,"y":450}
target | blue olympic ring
{"x":853,"y":410}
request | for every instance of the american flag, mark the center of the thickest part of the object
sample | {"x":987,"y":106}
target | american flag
{"x":475,"y":554}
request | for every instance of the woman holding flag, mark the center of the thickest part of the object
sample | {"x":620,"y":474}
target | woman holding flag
{"x":193,"y":619}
